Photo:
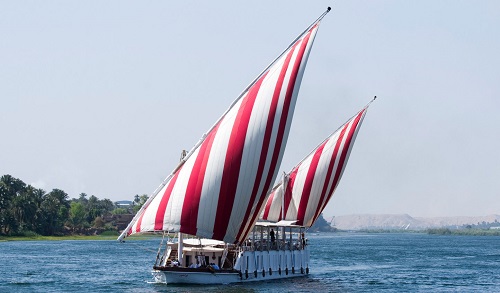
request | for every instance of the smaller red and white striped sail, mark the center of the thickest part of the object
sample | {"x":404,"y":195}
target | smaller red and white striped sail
{"x":306,"y":190}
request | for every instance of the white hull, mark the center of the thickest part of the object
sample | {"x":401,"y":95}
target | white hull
{"x":249,"y":266}
{"x":169,"y":277}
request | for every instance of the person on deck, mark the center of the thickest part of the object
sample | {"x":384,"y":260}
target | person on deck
{"x":303,"y":239}
{"x":216,"y":267}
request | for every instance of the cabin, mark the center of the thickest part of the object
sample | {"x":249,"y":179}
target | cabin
{"x":283,"y":237}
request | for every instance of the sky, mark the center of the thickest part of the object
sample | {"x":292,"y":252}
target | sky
{"x":101,"y":97}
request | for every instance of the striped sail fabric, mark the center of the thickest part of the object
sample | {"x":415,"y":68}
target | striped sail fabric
{"x":311,"y":184}
{"x":220,"y":189}
{"x":273,"y":207}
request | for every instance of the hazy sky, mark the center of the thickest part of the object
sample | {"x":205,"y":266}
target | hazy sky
{"x":101,"y":96}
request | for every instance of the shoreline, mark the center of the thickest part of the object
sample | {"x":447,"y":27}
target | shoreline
{"x":71,"y":237}
{"x":56,"y":238}
{"x":435,"y":231}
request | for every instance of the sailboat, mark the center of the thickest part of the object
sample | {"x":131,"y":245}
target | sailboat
{"x":208,"y":208}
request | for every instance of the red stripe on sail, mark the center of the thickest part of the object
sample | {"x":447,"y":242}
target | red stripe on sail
{"x":325,"y":190}
{"x":190,"y":207}
{"x":232,"y":163}
{"x":268,"y":206}
{"x":342,"y":162}
{"x":138,"y":225}
{"x":139,"y":222}
{"x":306,"y":190}
{"x":267,"y":138}
{"x":160,"y":213}
{"x":287,"y":194}
{"x":281,"y":132}
{"x":267,"y":135}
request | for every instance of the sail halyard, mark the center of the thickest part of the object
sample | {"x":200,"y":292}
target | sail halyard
{"x":209,"y":180}
{"x":312,"y":182}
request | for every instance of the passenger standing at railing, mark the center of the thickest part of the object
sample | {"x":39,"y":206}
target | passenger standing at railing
{"x":273,"y":238}
{"x":303,"y":238}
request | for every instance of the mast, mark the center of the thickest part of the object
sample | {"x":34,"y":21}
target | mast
{"x":283,"y":183}
{"x":180,"y":248}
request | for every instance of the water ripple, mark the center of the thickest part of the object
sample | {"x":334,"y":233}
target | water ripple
{"x":339,"y":263}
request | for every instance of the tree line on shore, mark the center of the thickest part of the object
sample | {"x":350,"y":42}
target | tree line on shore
{"x":26,"y":210}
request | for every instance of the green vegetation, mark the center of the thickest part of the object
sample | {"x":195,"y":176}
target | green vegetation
{"x":388,"y":231}
{"x":106,"y":235}
{"x":464,"y":232}
{"x":57,"y":238}
{"x":30,"y":213}
{"x":438,"y":231}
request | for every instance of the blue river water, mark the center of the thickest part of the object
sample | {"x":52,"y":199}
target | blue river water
{"x":341,"y":262}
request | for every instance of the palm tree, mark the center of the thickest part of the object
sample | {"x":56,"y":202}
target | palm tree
{"x":55,"y":208}
{"x":77,"y":215}
{"x":10,"y":189}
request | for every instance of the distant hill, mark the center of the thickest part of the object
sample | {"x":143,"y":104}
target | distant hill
{"x":321,"y":225}
{"x":405,"y":221}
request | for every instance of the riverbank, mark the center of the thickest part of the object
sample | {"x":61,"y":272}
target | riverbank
{"x":463,"y":232}
{"x":104,"y":236}
{"x":114,"y":235}
{"x":435,"y":231}
{"x":57,"y":238}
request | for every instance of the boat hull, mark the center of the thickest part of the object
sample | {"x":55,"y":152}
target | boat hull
{"x":202,"y":277}
{"x":172,"y":277}
{"x":249,"y":266}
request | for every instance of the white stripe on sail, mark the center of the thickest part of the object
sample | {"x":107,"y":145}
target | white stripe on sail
{"x":323,"y":165}
{"x":316,"y":188}
{"x":148,"y":219}
{"x":276,"y":204}
{"x":173,"y":211}
{"x":252,"y":151}
{"x":209,"y":200}
{"x":276,"y":122}
{"x":298,"y":187}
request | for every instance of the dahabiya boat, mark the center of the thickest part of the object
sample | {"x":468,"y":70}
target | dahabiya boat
{"x":222,"y":221}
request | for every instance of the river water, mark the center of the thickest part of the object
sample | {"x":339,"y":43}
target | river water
{"x":340,"y":262}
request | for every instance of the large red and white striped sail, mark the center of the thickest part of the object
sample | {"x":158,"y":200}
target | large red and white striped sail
{"x":306,"y":190}
{"x":219,"y":188}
